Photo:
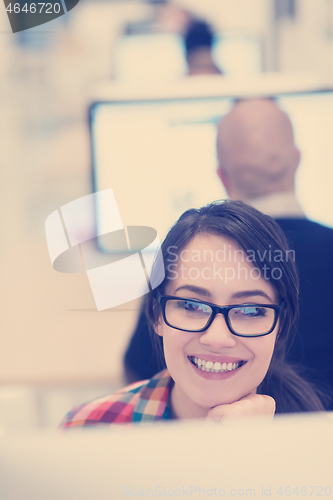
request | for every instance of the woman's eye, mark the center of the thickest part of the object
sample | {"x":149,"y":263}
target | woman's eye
{"x":188,"y":306}
{"x":193,"y":307}
{"x":250,"y":312}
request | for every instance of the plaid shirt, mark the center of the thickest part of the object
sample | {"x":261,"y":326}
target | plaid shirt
{"x":145,"y":401}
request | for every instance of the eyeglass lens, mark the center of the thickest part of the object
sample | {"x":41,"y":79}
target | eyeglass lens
{"x":244,"y":320}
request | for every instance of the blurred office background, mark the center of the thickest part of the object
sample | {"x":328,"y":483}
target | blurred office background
{"x":56,"y":350}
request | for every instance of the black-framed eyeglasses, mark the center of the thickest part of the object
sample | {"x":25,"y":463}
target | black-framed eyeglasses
{"x":243,"y":320}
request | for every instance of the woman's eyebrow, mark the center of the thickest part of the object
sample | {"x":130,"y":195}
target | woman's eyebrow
{"x":251,"y":293}
{"x":194,"y":289}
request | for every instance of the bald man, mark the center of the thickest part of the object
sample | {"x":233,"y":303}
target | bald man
{"x":258,"y":160}
{"x":257,"y":154}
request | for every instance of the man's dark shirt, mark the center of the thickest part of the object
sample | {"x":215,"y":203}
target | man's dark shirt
{"x":313,"y":346}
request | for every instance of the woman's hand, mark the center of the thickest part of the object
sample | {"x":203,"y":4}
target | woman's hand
{"x":253,"y":404}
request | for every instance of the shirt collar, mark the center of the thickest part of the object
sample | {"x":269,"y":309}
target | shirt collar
{"x":278,"y":205}
{"x":154,"y":401}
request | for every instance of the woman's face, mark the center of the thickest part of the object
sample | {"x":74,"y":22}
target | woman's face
{"x":211,"y":269}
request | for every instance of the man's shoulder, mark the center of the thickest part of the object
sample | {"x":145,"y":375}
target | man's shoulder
{"x":126,"y":405}
{"x":306,"y":229}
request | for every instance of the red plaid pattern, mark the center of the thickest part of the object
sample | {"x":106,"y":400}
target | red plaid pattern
{"x":145,"y":401}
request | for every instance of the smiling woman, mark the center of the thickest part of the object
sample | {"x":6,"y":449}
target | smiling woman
{"x":214,"y":359}
{"x":224,"y":321}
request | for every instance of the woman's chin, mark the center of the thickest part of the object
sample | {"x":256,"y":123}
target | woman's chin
{"x":211,"y":401}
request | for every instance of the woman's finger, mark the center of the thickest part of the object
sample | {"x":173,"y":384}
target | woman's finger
{"x":253,"y":404}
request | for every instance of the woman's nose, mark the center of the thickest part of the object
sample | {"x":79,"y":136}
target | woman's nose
{"x":218,"y":335}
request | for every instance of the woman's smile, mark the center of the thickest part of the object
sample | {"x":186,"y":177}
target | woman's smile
{"x":224,"y":365}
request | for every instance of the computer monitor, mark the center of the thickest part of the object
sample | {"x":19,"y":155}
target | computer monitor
{"x":245,"y":458}
{"x":157,"y":151}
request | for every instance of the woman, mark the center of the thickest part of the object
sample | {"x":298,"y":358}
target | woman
{"x":224,"y":311}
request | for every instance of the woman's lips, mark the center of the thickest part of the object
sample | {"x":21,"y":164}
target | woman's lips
{"x":223,"y":368}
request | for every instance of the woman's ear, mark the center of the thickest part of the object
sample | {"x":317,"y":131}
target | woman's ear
{"x":159,"y":322}
{"x":159,"y":326}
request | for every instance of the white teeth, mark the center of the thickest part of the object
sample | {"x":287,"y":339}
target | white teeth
{"x":210,"y":366}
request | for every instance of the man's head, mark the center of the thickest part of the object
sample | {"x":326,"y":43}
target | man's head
{"x":256,"y":150}
{"x":198,"y":41}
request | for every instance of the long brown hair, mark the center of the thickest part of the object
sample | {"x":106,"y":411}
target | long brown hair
{"x":261,"y":237}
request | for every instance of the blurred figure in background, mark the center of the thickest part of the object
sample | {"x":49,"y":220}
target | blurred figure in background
{"x":168,"y":44}
{"x":258,"y":160}
{"x":198,"y":42}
